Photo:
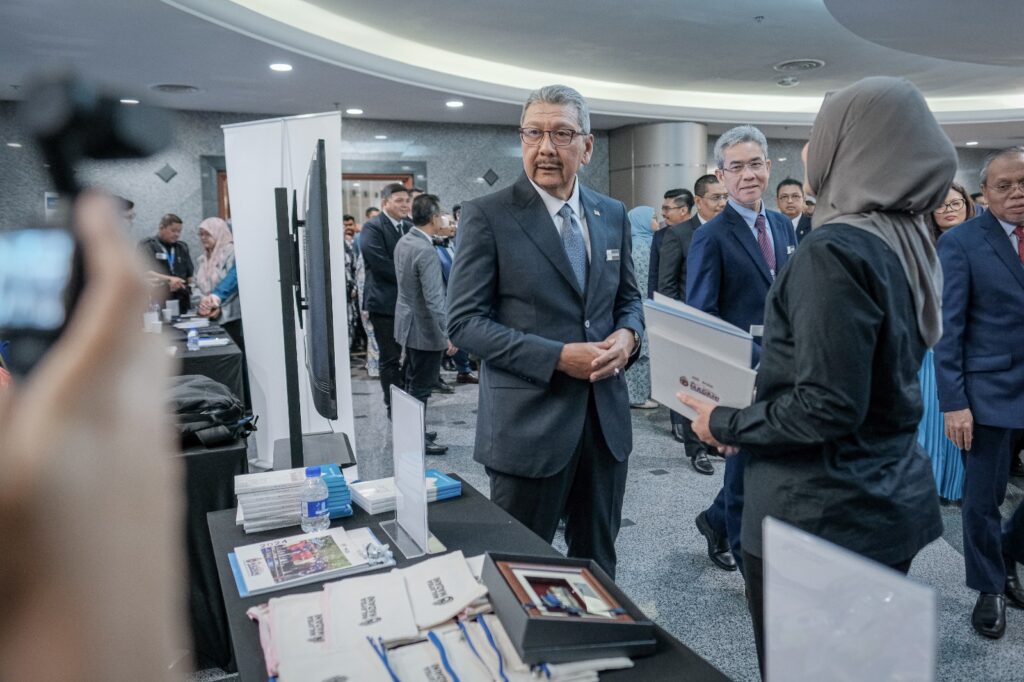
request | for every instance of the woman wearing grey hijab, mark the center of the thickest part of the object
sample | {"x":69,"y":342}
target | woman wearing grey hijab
{"x":833,"y":431}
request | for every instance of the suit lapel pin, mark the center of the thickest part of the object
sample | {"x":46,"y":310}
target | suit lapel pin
{"x":596,"y":212}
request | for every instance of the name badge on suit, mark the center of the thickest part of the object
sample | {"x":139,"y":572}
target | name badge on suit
{"x":612,"y":254}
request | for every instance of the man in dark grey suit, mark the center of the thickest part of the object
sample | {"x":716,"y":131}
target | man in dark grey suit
{"x":789,"y":197}
{"x":421,"y":325}
{"x":377,"y":242}
{"x":543,"y":291}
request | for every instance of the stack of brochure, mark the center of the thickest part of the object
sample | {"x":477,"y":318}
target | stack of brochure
{"x":697,"y":354}
{"x":271,"y":499}
{"x":377,"y":497}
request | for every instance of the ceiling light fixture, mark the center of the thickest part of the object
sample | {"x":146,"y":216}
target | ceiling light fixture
{"x":782,"y":158}
{"x":354,"y":112}
{"x":14,"y":145}
{"x":174,"y":88}
{"x":380,"y":137}
{"x":129,"y":101}
{"x":802,"y":64}
{"x":281,"y":66}
{"x":972,"y":143}
{"x":454,"y":104}
{"x":787,"y":81}
{"x":355,"y":184}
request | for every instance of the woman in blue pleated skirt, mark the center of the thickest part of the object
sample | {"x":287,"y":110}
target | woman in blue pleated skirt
{"x":947,"y":464}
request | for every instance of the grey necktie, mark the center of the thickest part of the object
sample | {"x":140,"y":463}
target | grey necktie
{"x":572,"y":242}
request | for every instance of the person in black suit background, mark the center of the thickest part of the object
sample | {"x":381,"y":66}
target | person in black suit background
{"x":832,"y":434}
{"x":789,"y":197}
{"x":675,"y":208}
{"x":710,"y":197}
{"x":733,"y":261}
{"x":979,"y":371}
{"x":543,"y":292}
{"x":377,"y":242}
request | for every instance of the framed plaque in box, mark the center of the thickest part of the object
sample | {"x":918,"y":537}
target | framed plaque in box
{"x":557,"y":610}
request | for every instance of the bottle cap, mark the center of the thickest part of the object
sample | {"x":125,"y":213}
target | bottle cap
{"x":312,"y":472}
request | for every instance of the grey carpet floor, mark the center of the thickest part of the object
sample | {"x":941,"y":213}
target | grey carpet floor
{"x":663,"y":563}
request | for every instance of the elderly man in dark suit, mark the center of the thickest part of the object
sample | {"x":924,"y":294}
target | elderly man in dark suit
{"x":979,"y":370}
{"x":733,"y":261}
{"x":421,"y":325}
{"x":710,"y":198}
{"x":543,"y":291}
{"x":377,"y":242}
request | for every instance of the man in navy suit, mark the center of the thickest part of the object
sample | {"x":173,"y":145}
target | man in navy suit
{"x":543,"y":291}
{"x":789,"y":197}
{"x":377,"y":241}
{"x":979,"y":370}
{"x":733,"y":260}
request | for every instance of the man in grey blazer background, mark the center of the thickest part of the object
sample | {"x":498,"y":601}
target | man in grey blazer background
{"x":543,"y":291}
{"x":420,"y":320}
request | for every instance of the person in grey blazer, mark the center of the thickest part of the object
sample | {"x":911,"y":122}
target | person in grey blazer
{"x":543,"y":291}
{"x":420,"y":320}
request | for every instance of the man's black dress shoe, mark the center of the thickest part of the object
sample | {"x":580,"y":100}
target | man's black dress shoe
{"x":678,"y":433}
{"x":442,"y":386}
{"x":467,"y":378}
{"x":701,"y":463}
{"x":433,"y":448}
{"x":431,"y":436}
{"x":718,"y":545}
{"x":989,"y":617}
{"x":1014,"y":592}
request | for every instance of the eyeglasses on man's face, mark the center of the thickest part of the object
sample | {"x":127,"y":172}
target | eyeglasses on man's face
{"x":954,"y":205}
{"x":562,"y":137}
{"x":1006,"y":187}
{"x":714,"y":198}
{"x":756,"y":166}
{"x":666,"y":208}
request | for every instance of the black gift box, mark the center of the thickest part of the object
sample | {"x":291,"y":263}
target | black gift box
{"x":560,"y":639}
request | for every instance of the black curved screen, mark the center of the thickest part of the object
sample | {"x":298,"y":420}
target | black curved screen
{"x":319,"y":325}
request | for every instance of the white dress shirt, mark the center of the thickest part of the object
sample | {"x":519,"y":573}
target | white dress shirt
{"x":553,"y":204}
{"x":1010,"y":227}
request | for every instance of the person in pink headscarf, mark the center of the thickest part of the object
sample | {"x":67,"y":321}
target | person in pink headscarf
{"x":214,"y":263}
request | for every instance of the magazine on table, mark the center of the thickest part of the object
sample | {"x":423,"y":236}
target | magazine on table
{"x":311,"y":557}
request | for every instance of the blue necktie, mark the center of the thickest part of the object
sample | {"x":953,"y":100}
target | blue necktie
{"x":572,"y":242}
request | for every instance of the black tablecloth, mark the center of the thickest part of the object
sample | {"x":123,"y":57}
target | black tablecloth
{"x":220,"y":363}
{"x":471,"y":523}
{"x":209,"y":487}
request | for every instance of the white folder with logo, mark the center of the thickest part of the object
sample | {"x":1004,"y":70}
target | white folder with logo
{"x":697,"y":353}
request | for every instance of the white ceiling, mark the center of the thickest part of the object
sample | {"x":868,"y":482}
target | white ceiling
{"x":651,"y":52}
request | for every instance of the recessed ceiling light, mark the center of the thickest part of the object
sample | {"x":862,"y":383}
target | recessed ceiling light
{"x":281,"y":66}
{"x":787,"y":81}
{"x":972,"y":143}
{"x":355,"y":184}
{"x":782,"y":158}
{"x":380,"y":137}
{"x":129,"y":101}
{"x":354,"y":112}
{"x":803,"y":64}
{"x":454,"y":104}
{"x":15,"y":145}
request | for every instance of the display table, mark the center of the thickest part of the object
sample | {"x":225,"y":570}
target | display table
{"x":471,"y":523}
{"x":209,"y":487}
{"x":220,"y":363}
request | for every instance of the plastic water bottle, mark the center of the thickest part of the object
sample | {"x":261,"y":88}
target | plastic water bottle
{"x":193,"y":340}
{"x":315,"y":515}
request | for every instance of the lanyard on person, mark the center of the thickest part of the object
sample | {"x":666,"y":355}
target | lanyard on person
{"x":170,"y":255}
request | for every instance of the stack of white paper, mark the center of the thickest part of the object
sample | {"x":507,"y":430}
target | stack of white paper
{"x":699,"y":354}
{"x":378,"y":496}
{"x":272,"y":499}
